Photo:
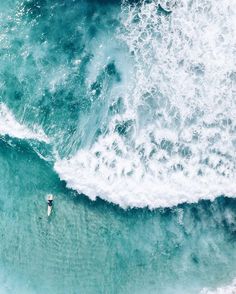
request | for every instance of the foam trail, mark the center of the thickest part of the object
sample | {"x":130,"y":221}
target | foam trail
{"x":176,"y":140}
{"x":229,"y":289}
{"x":9,"y":126}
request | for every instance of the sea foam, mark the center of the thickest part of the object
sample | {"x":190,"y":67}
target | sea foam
{"x":10,"y":126}
{"x":176,"y":140}
{"x":229,"y":289}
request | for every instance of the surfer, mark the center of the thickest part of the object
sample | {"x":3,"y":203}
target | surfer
{"x":50,"y":201}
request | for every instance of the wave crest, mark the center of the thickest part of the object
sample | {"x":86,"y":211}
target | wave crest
{"x":10,"y":126}
{"x":176,"y":138}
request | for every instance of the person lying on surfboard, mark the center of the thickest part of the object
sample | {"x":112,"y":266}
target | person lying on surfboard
{"x":50,"y":201}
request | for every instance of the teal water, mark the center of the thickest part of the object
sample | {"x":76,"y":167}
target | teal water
{"x":95,"y":247}
{"x":126,"y":113}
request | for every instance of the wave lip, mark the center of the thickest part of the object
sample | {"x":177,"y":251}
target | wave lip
{"x":81,"y":175}
{"x":10,"y":126}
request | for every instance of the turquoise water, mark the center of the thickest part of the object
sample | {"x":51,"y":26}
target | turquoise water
{"x":126,"y":113}
{"x":95,"y":247}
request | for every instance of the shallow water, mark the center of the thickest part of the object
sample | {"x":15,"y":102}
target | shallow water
{"x":131,"y":105}
{"x":95,"y":247}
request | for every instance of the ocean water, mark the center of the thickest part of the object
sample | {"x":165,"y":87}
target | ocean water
{"x":126,"y":112}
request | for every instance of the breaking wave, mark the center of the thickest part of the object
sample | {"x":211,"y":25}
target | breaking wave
{"x":172,"y":135}
{"x":10,"y":126}
{"x":229,"y":289}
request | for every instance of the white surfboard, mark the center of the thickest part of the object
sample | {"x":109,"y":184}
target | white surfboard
{"x":50,"y":197}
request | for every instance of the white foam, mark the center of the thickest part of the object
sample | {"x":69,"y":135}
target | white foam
{"x":9,"y":126}
{"x":85,"y":174}
{"x":181,"y":101}
{"x":229,"y":289}
{"x":8,"y":284}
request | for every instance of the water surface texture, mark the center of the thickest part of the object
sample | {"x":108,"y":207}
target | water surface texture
{"x":125,"y":111}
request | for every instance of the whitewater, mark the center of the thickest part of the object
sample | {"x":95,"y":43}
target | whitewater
{"x":9,"y":126}
{"x":174,"y":139}
{"x":156,"y":130}
{"x":130,"y":104}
